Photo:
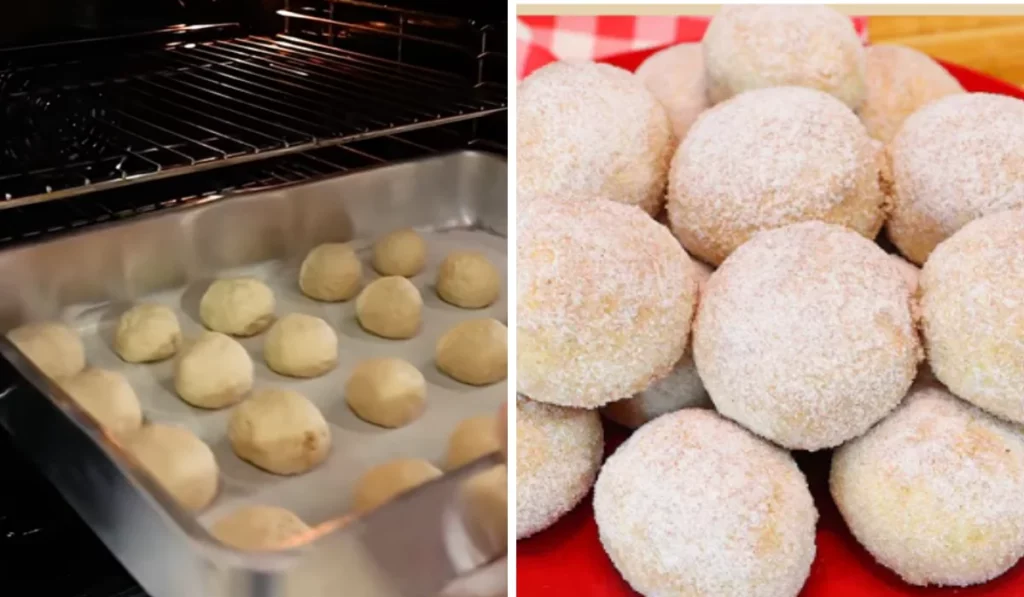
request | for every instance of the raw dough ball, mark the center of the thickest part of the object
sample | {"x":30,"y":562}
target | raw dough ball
{"x":147,"y":333}
{"x":955,"y":160}
{"x":107,"y":397}
{"x":899,"y":81}
{"x":676,"y":78}
{"x":300,"y":345}
{"x":384,"y":482}
{"x":805,"y":336}
{"x":387,"y":392}
{"x":214,"y":372}
{"x":587,"y":130}
{"x":237,"y":306}
{"x":485,"y":501}
{"x":692,"y":504}
{"x":400,"y":253}
{"x":390,"y":307}
{"x":769,"y":158}
{"x":604,"y":308}
{"x":53,"y":347}
{"x":280,"y":431}
{"x":558,"y":452}
{"x":751,"y":47}
{"x":331,"y":272}
{"x":474,"y":352}
{"x":177,"y":460}
{"x":259,"y":528}
{"x":972,"y":307}
{"x":473,"y":438}
{"x":934,"y":491}
{"x":467,"y":279}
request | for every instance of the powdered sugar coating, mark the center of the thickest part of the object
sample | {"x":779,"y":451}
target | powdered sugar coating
{"x":910,"y":272}
{"x":752,"y":47}
{"x":675,"y":76}
{"x":605,"y":299}
{"x":805,"y":336}
{"x":934,"y":491}
{"x":586,"y":130}
{"x":558,"y":452}
{"x":694,"y":505}
{"x":972,"y":306}
{"x":953,"y":161}
{"x":769,"y":158}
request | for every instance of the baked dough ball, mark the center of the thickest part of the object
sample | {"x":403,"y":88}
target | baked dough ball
{"x":384,"y":482}
{"x":899,"y":81}
{"x":485,"y":505}
{"x":805,"y":336}
{"x":973,"y":322}
{"x":53,"y":347}
{"x":474,"y":352}
{"x":279,"y":431}
{"x":604,"y":309}
{"x":214,"y":372}
{"x":676,"y":78}
{"x":910,"y":272}
{"x":953,"y":161}
{"x":300,"y":345}
{"x":259,"y":528}
{"x":558,"y":452}
{"x":331,"y":272}
{"x":178,"y":461}
{"x":467,"y":279}
{"x":390,"y":307}
{"x":769,"y":158}
{"x":400,"y":253}
{"x":473,"y":438}
{"x":107,"y":397}
{"x":692,"y":504}
{"x":933,"y":491}
{"x":387,"y":392}
{"x":237,"y":306}
{"x":147,"y":333}
{"x":586,"y":130}
{"x":751,"y":47}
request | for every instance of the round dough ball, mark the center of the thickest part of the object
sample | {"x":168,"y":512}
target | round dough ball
{"x":752,"y":47}
{"x":934,"y":491}
{"x":586,"y":130}
{"x":473,"y":438}
{"x":603,"y":309}
{"x":558,"y":452}
{"x":400,"y":253}
{"x":214,"y":372}
{"x":467,"y":279}
{"x":259,"y":528}
{"x":899,"y":81}
{"x":387,"y":392}
{"x":805,"y":336}
{"x":769,"y":158}
{"x":972,"y":291}
{"x":675,"y":76}
{"x":331,"y":272}
{"x":53,"y":347}
{"x":390,"y":307}
{"x":384,"y":482}
{"x":910,"y":272}
{"x":280,"y":431}
{"x":147,"y":333}
{"x":107,"y":397}
{"x":178,"y":461}
{"x":485,"y":506}
{"x":953,"y":161}
{"x":474,"y":352}
{"x":300,"y":345}
{"x":237,"y":306}
{"x":692,"y":504}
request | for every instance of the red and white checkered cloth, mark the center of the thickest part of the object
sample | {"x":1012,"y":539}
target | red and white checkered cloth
{"x":544,"y":39}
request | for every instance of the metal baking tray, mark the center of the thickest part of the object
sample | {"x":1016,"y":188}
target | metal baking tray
{"x":88,"y":279}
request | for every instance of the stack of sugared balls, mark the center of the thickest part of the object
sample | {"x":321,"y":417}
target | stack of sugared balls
{"x":775,"y":151}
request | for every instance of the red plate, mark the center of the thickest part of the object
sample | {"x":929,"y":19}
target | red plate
{"x":567,"y":559}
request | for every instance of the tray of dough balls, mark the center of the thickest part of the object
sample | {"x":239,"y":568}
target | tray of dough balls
{"x":303,"y":355}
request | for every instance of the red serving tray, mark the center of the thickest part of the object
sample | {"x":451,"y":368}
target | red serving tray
{"x":567,"y":559}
